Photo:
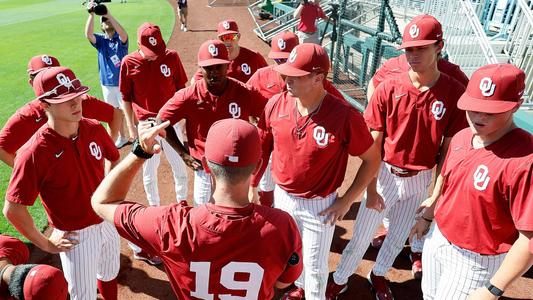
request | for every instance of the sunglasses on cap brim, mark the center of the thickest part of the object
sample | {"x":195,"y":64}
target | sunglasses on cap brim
{"x":62,"y":89}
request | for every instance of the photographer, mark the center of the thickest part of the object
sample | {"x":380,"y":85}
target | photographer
{"x":309,"y":12}
{"x":112,"y":46}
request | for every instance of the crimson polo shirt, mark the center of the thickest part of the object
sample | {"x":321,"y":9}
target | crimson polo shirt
{"x":216,"y":250}
{"x":312,"y":163}
{"x":243,"y":66}
{"x":29,"y":118}
{"x":64,"y":171}
{"x":269,"y":83}
{"x":487,"y":194}
{"x":399,"y":64}
{"x":414,"y":122}
{"x":149,"y":84}
{"x":201,"y":109}
{"x":310,"y":12}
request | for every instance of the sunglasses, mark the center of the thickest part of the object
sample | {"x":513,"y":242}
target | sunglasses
{"x":229,"y":37}
{"x":62,"y":88}
{"x":280,"y":61}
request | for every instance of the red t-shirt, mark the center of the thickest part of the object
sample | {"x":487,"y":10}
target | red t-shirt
{"x":149,"y":84}
{"x":64,"y":171}
{"x":201,"y":109}
{"x":243,"y":66}
{"x":487,"y":194}
{"x":399,"y":64}
{"x":269,"y":83}
{"x":414,"y":122}
{"x":312,"y":163}
{"x":310,"y":12}
{"x":211,"y":251}
{"x":29,"y":118}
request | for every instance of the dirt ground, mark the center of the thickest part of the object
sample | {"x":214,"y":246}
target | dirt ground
{"x":138,"y":280}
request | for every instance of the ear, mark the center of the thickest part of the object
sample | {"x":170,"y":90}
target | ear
{"x":30,"y":81}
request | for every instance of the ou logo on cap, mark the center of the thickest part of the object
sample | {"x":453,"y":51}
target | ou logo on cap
{"x":487,"y":87}
{"x":213,"y":50}
{"x":95,"y":150}
{"x":282,"y":44}
{"x":414,"y":31}
{"x":64,"y":80}
{"x":152,"y":41}
{"x":46,"y":59}
{"x":292,"y":56}
{"x":225,"y":24}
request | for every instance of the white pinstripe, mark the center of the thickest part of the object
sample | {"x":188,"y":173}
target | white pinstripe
{"x":179,"y":172}
{"x":402,"y":196}
{"x":97,"y":256}
{"x":267,"y":183}
{"x":202,"y":187}
{"x":316,"y":238}
{"x":451,"y":272}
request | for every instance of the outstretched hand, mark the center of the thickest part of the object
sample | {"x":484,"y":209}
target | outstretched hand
{"x":148,"y":131}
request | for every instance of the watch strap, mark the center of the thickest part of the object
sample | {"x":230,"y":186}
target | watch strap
{"x":493,"y":290}
{"x":139,"y":151}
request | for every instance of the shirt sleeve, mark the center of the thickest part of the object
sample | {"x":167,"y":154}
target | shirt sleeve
{"x":520,"y":195}
{"x":180,"y":77}
{"x":125,"y":83}
{"x":321,"y":13}
{"x":375,"y":111}
{"x":97,"y":110}
{"x":98,"y":41}
{"x":25,"y":180}
{"x":267,"y":142}
{"x":175,"y":109}
{"x":261,"y":62}
{"x":198,"y":75}
{"x":359,"y":137}
{"x":457,"y":120}
{"x":295,"y":262}
{"x":17,"y":131}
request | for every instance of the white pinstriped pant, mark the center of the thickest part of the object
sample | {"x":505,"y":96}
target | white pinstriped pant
{"x":96,"y":257}
{"x":402,"y":196}
{"x":179,"y":172}
{"x":267,"y":183}
{"x":451,"y":272}
{"x":316,"y":238}
{"x":202,"y":187}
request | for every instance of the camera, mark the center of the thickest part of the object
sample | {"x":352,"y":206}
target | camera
{"x":99,"y":9}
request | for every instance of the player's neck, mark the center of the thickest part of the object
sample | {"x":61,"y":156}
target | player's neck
{"x":424,"y":79}
{"x":234,"y":53}
{"x":110,"y":33}
{"x":231,"y":195}
{"x":64,"y":128}
{"x":481,"y":141}
{"x":308,"y":103}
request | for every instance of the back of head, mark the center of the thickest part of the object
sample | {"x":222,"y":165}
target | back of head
{"x":38,"y":282}
{"x":39,"y":62}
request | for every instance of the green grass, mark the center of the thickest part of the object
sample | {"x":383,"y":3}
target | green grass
{"x":56,"y":27}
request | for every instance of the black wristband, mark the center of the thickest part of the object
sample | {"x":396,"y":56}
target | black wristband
{"x":426,"y":219}
{"x":493,"y":290}
{"x":139,"y":151}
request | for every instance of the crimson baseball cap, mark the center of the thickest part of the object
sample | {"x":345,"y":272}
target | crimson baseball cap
{"x":233,"y":143}
{"x":150,"y":39}
{"x":304,"y":59}
{"x":494,"y":88}
{"x":57,"y":85}
{"x":422,"y":30}
{"x":212,"y":52}
{"x":38,"y":62}
{"x":44,"y":282}
{"x":227,"y":27}
{"x":13,"y":250}
{"x":282,"y":44}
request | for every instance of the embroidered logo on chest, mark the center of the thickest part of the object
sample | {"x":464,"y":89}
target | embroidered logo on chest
{"x":234,"y":110}
{"x":246,"y":69}
{"x":165,"y":70}
{"x":95,"y":150}
{"x":438,"y":110}
{"x":321,"y":136}
{"x":481,"y":178}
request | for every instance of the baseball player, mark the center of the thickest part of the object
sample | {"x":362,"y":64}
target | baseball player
{"x":19,"y":280}
{"x":220,"y":250}
{"x":63,"y":162}
{"x":210,"y":99}
{"x":181,"y":9}
{"x":29,"y":118}
{"x":243,"y":61}
{"x":412,"y":117}
{"x":309,"y":12}
{"x":310,"y":134}
{"x":111,"y":46}
{"x":148,"y":78}
{"x":390,"y":68}
{"x":483,"y":198}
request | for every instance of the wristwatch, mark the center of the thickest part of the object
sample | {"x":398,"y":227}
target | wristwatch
{"x":139,"y":151}
{"x":493,"y":290}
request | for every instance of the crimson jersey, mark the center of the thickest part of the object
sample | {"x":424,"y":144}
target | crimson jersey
{"x":64,"y":171}
{"x":414,"y":122}
{"x":309,"y":154}
{"x":149,"y":84}
{"x":269,"y":83}
{"x":29,"y":118}
{"x":487,"y":194}
{"x":212,"y":251}
{"x":243,"y":66}
{"x":201,"y":109}
{"x":399,"y":64}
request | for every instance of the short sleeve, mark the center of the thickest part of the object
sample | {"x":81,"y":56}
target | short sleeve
{"x":99,"y":40}
{"x":17,"y":131}
{"x":97,"y":110}
{"x":359,"y":138}
{"x":26,"y":179}
{"x":375,"y":113}
{"x":295,"y":262}
{"x":321,"y":13}
{"x":520,"y":195}
{"x":180,"y":77}
{"x":258,"y":101}
{"x":175,"y":109}
{"x":125,"y":83}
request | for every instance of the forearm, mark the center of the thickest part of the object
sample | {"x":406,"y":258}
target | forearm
{"x":298,"y":11}
{"x":20,"y":218}
{"x":130,"y":123}
{"x":370,"y":90}
{"x":174,"y":141}
{"x":7,"y":158}
{"x":89,"y":29}
{"x":517,"y":261}
{"x":120,"y":30}
{"x":429,"y":213}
